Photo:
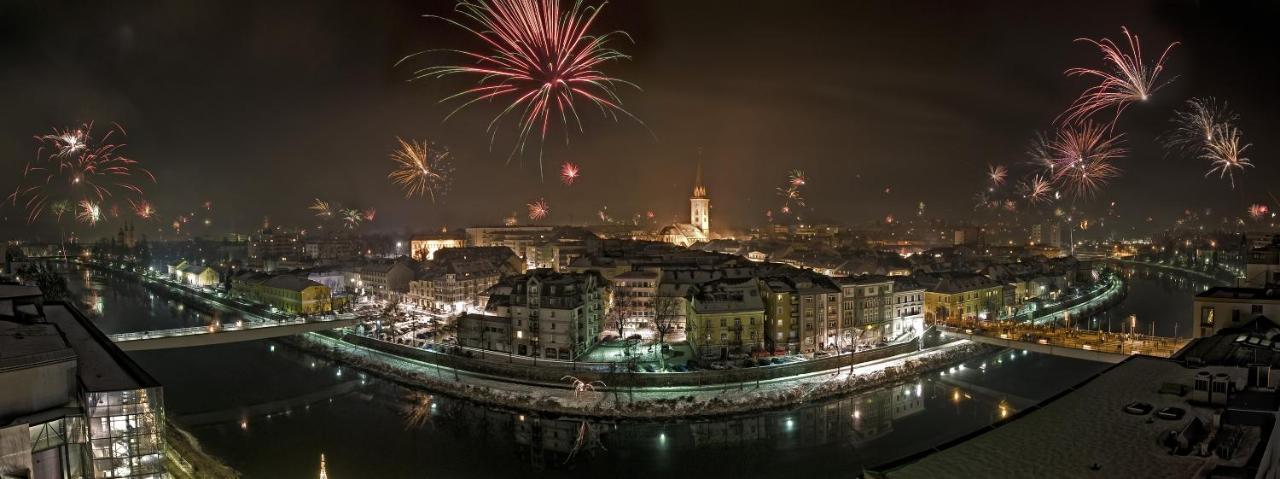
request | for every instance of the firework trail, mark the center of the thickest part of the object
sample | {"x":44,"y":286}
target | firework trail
{"x":569,"y":173}
{"x":537,"y":57}
{"x":71,"y":167}
{"x":1194,"y":127}
{"x":421,"y":168}
{"x":1081,"y":157}
{"x":90,"y":213}
{"x":538,"y":209}
{"x":1125,"y":80}
{"x":208,"y":205}
{"x":997,"y":175}
{"x":1224,"y":153}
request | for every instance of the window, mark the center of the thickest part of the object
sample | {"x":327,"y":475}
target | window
{"x":1255,"y":309}
{"x":722,"y":322}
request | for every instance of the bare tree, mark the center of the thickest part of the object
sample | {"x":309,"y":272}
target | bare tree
{"x":668,"y":315}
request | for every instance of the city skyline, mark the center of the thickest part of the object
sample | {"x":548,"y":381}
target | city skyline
{"x":318,"y":101}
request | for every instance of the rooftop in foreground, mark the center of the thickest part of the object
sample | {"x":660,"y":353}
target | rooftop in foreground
{"x":1086,"y":431}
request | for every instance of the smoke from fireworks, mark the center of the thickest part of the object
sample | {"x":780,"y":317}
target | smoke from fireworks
{"x":568,"y":173}
{"x":1126,"y":79}
{"x":72,"y":167}
{"x":421,"y":168}
{"x":1080,"y":158}
{"x":540,"y":58}
{"x":1224,"y":153}
{"x":538,"y":210}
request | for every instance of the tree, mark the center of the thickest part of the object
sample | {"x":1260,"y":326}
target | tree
{"x":668,"y":315}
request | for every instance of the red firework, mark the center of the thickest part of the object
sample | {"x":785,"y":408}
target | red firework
{"x":540,"y":58}
{"x":1257,"y":211}
{"x":1128,"y":79}
{"x":569,"y":173}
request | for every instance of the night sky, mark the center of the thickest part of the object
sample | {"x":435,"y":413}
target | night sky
{"x":263,"y":106}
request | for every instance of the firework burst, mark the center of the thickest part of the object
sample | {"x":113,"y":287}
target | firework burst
{"x":1257,"y":211}
{"x":538,"y":209}
{"x":1081,"y":158}
{"x":71,"y":167}
{"x":569,"y":173}
{"x":351,"y":218}
{"x":1126,"y":79}
{"x":997,"y":174}
{"x":796,"y":179}
{"x":89,"y":213}
{"x":369,"y":214}
{"x":421,"y":169}
{"x":537,"y":57}
{"x":322,"y":208}
{"x":1225,"y":154}
{"x":1036,"y":189}
{"x":1195,"y":126}
{"x":511,"y":220}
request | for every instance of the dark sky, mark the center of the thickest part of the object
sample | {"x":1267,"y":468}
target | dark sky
{"x":263,"y":106}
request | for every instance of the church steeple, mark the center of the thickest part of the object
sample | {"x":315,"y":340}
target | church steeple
{"x":700,"y":205}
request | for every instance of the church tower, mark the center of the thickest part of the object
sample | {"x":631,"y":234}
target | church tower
{"x":700,"y":205}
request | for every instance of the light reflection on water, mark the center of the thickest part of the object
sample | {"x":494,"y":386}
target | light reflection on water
{"x":270,"y":410}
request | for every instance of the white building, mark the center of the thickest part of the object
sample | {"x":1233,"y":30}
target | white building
{"x":1225,"y":307}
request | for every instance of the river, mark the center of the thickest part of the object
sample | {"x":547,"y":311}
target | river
{"x":269,"y":410}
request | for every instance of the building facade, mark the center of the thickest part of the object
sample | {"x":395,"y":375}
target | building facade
{"x":727,"y":317}
{"x":553,"y":315}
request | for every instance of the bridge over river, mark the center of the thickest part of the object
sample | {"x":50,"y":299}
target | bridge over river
{"x":228,"y":333}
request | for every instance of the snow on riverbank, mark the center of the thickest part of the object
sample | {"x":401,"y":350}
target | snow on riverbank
{"x":652,"y":403}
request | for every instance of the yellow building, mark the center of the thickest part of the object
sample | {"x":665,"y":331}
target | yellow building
{"x":424,"y":247}
{"x":197,"y":275}
{"x":963,"y":297}
{"x":727,"y":316}
{"x":293,"y":294}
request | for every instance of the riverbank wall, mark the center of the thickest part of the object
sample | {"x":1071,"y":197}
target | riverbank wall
{"x":616,"y":402}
